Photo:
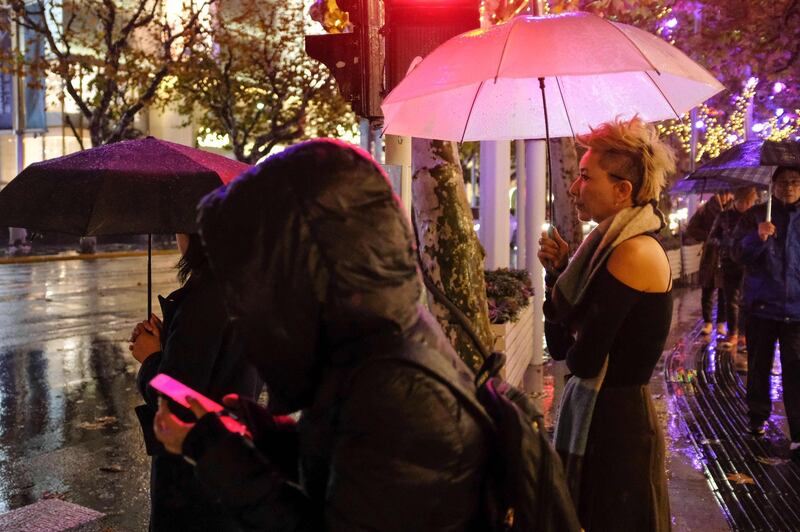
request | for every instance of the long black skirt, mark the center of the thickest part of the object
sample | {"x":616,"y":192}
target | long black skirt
{"x":624,"y":482}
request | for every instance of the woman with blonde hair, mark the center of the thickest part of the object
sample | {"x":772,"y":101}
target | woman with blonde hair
{"x":608,"y":311}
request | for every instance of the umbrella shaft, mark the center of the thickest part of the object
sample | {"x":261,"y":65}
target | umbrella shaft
{"x":149,"y":275}
{"x":769,"y":203}
{"x":549,"y":177}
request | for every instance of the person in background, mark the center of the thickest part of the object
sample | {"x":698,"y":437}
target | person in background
{"x":770,"y":254}
{"x":698,"y":229}
{"x":721,"y":236}
{"x":197,"y":345}
{"x":615,"y":295}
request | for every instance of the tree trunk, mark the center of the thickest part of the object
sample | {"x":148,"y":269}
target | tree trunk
{"x":565,"y":168}
{"x":450,"y":252}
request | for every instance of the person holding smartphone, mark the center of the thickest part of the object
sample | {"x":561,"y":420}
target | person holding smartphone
{"x":318,"y":264}
{"x":196,"y":344}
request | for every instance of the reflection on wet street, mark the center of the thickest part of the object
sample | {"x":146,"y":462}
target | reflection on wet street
{"x":67,"y":384}
{"x":752,"y":478}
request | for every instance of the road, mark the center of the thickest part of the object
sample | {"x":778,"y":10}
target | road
{"x":67,"y":384}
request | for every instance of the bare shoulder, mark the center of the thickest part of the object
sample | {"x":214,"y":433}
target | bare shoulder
{"x":641,"y":263}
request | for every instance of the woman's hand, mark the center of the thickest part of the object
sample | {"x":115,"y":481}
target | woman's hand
{"x":170,"y":430}
{"x":148,"y":339}
{"x":553,"y":252}
{"x":147,"y":325}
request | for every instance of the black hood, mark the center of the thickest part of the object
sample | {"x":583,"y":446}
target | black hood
{"x":314,"y":253}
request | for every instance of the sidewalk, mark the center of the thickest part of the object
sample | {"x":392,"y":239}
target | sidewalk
{"x":692,"y":502}
{"x":103,"y":251}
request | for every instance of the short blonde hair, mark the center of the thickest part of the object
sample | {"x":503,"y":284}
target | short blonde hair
{"x":631,"y":150}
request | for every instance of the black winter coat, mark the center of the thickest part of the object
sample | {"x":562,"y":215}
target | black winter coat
{"x":318,"y":265}
{"x":199,"y":348}
{"x":722,"y":235}
{"x":698,"y":229}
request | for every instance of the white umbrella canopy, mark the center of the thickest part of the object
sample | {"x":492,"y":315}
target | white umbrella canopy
{"x":484,"y":84}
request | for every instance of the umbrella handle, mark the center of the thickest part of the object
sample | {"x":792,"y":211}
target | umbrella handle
{"x":769,"y":203}
{"x":149,"y":275}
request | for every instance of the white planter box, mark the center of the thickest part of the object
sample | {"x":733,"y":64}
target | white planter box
{"x":674,"y":257}
{"x":515,"y":340}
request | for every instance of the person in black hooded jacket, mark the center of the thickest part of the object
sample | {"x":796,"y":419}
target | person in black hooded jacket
{"x":318,"y":267}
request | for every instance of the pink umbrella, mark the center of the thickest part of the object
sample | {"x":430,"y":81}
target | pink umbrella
{"x":491,"y":84}
{"x":494,"y":84}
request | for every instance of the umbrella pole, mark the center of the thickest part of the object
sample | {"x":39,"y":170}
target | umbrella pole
{"x":149,"y":275}
{"x":550,"y":200}
{"x":769,"y":203}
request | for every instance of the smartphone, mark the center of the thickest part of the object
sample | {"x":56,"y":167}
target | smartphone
{"x":549,"y":228}
{"x":177,"y":391}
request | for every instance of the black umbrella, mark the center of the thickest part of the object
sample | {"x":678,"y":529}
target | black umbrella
{"x":142,"y":186}
{"x":751,"y":163}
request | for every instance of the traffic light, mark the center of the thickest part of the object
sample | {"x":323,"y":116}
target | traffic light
{"x":415,"y":27}
{"x":373,"y":58}
{"x":355,"y":59}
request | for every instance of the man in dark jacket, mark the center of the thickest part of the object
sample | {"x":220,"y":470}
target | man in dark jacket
{"x":770,"y":252}
{"x":318,"y":267}
{"x":697,"y":229}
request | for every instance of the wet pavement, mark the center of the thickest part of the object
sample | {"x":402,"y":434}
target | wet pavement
{"x":67,"y":384}
{"x":751,"y":479}
{"x":67,"y":392}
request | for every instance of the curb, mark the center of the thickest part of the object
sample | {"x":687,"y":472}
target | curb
{"x":84,"y":256}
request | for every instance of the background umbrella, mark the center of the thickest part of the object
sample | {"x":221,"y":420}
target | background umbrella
{"x":710,"y":185}
{"x":536,"y":77}
{"x":751,"y":163}
{"x":133,"y":187}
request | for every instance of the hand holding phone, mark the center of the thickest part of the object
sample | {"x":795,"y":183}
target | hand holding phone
{"x":553,"y":250}
{"x":178,"y":392}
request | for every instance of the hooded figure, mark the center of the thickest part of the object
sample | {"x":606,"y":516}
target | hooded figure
{"x":316,"y":261}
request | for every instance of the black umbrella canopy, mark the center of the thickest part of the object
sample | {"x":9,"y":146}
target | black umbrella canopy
{"x":748,"y":164}
{"x":133,"y":187}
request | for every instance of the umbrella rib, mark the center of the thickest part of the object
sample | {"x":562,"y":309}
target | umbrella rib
{"x":471,"y":107}
{"x":505,"y":45}
{"x":632,"y":44}
{"x":564,"y":103}
{"x":650,"y":77}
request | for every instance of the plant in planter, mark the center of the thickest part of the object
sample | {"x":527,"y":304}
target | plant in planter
{"x":508,"y":293}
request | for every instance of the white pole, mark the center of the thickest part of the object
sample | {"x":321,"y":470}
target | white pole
{"x":535,"y":175}
{"x":521,"y":203}
{"x":494,"y":205}
{"x":18,"y":119}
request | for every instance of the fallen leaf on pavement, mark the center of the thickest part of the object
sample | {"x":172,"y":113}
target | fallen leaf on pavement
{"x":99,"y":423}
{"x":740,"y":478}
